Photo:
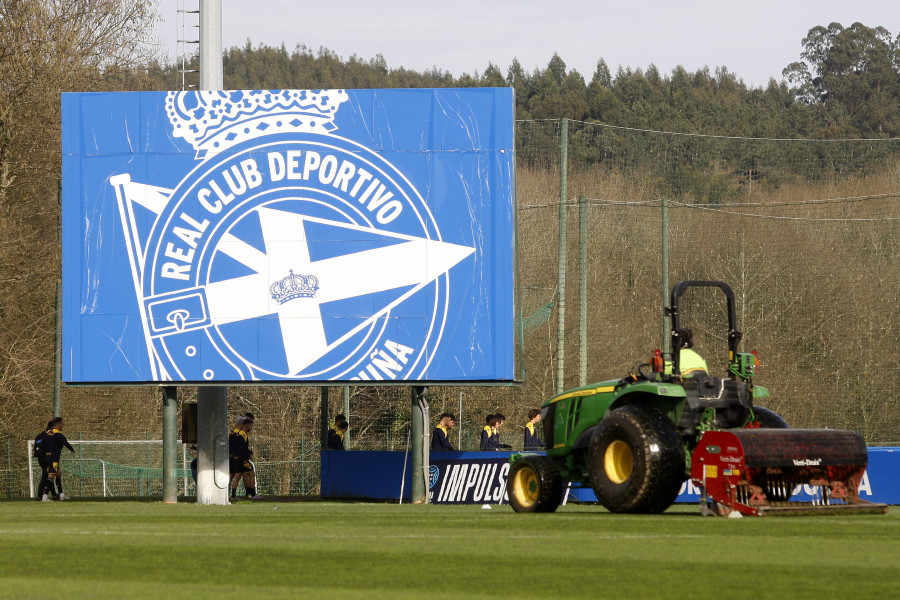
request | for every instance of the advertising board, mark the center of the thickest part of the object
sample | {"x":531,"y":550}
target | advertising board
{"x":288,"y":235}
{"x":481,"y":478}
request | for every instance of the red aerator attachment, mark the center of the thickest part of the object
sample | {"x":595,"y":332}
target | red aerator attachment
{"x":756,"y":471}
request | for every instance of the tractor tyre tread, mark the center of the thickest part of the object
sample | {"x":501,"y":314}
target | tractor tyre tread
{"x":658,"y":461}
{"x":549,"y":484}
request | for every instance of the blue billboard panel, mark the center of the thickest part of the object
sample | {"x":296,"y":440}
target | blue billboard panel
{"x":481,"y":478}
{"x":288,"y":235}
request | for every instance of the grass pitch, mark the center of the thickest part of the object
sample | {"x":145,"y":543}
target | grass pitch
{"x":85,"y":549}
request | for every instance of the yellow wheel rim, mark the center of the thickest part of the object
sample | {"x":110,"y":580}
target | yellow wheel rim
{"x":525,"y":487}
{"x":618,"y":461}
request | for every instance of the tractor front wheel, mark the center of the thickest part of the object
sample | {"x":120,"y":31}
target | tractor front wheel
{"x":534,"y":485}
{"x":637,"y":461}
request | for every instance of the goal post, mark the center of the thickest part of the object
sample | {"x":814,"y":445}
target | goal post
{"x":114,"y":468}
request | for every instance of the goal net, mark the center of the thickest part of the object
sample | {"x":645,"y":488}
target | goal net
{"x":114,"y":468}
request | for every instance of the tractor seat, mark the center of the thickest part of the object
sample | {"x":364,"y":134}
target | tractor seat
{"x":728,"y":398}
{"x":708,"y":387}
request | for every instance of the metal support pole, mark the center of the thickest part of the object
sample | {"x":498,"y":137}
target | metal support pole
{"x":212,"y":445}
{"x":211,"y":45}
{"x":561,"y":291}
{"x":29,"y":454}
{"x":667,"y":337}
{"x":170,"y":444}
{"x":346,"y":390}
{"x":184,"y":468}
{"x":57,"y":375}
{"x":323,"y":417}
{"x":518,"y":293}
{"x":460,"y":417}
{"x":420,"y":447}
{"x":9,"y":469}
{"x":212,"y":402}
{"x":582,"y":292}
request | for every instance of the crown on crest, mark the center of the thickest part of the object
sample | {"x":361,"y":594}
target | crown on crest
{"x":294,"y":286}
{"x":213,"y":121}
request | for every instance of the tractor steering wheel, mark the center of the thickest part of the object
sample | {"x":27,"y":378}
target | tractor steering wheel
{"x":643,"y":375}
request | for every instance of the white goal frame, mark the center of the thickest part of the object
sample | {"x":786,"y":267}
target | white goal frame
{"x":31,"y":461}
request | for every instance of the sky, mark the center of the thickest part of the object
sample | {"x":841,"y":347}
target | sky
{"x":755,"y":40}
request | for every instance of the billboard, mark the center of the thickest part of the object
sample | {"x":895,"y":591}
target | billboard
{"x":288,"y":235}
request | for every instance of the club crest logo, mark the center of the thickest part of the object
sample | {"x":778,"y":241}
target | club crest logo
{"x":287,"y":253}
{"x":434,"y":473}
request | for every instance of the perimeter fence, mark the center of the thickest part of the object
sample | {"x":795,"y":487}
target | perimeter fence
{"x":807,"y":232}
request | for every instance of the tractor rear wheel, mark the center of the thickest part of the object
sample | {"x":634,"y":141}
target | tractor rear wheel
{"x":776,"y":489}
{"x":769,"y":419}
{"x":534,"y":485}
{"x":637,"y":461}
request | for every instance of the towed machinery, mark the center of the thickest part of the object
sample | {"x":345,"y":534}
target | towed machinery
{"x":636,"y":440}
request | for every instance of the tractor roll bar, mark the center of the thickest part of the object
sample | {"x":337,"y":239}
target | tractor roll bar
{"x":734,"y":336}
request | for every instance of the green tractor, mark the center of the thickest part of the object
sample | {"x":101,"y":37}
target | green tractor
{"x":632,"y":439}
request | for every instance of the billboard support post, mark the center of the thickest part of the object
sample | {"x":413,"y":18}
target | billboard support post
{"x":419,"y":447}
{"x":212,"y":446}
{"x":211,"y":45}
{"x":170,"y":444}
{"x":212,"y":403}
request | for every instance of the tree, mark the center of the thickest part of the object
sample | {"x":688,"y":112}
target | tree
{"x":855,"y":71}
{"x":47,"y":47}
{"x":493,"y":76}
{"x":52,"y":46}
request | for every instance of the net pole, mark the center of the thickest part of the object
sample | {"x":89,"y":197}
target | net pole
{"x":517,"y":274}
{"x":561,"y":312}
{"x":184,"y":468}
{"x":80,"y":455}
{"x":323,"y":417}
{"x":664,"y":242}
{"x":170,"y":444}
{"x":346,"y":390}
{"x":30,"y":454}
{"x":57,"y":362}
{"x":57,"y":374}
{"x":582,"y":292}
{"x":460,"y":417}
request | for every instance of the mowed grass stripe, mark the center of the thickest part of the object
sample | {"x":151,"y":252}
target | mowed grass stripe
{"x":324,"y":550}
